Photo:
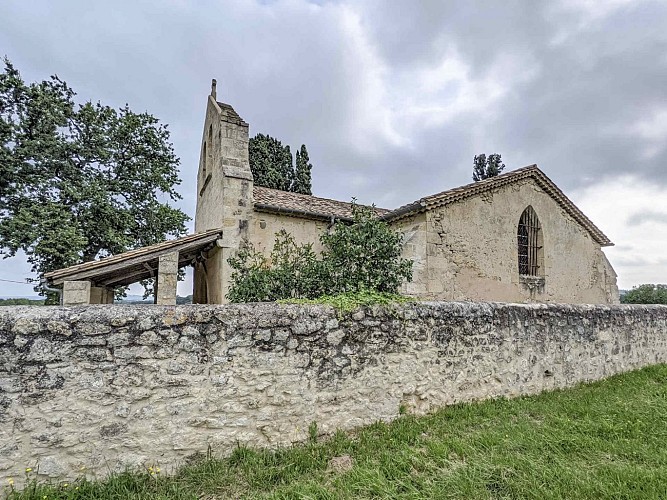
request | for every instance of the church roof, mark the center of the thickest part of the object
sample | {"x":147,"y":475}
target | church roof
{"x":475,"y":188}
{"x":303,"y":205}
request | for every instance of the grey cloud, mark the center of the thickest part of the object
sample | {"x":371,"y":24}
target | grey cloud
{"x":644,"y":217}
{"x":632,"y":262}
{"x":624,"y":248}
{"x":343,"y":77}
{"x":593,"y":83}
{"x":291,"y":69}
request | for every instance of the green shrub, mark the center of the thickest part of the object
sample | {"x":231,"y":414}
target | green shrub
{"x":291,"y":271}
{"x":362,"y":257}
{"x":365,"y":255}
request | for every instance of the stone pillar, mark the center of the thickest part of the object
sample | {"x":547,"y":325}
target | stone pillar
{"x":167,"y":277}
{"x":101,"y":295}
{"x":76,"y":293}
{"x":199,"y":293}
{"x":216,"y":288}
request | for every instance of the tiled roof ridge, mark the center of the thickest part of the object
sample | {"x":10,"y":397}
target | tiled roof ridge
{"x":474,"y":188}
{"x":276,"y":200}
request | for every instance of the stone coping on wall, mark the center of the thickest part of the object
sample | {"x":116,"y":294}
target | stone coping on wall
{"x":105,"y":387}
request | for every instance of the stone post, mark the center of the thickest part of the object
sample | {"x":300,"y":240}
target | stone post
{"x":167,"y":277}
{"x":76,"y":293}
{"x":101,"y":295}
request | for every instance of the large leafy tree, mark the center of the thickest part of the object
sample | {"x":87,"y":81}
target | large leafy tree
{"x":272,"y":165}
{"x":484,"y":167}
{"x":79,"y":182}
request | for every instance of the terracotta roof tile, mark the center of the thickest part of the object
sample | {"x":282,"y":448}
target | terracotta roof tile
{"x":274,"y":200}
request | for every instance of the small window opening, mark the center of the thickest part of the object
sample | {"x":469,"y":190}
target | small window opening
{"x":204,"y":162}
{"x":529,"y":240}
{"x":209,"y":157}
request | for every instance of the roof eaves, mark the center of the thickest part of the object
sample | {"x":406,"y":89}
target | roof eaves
{"x":572,"y":210}
{"x":405,"y":211}
{"x":531,"y":171}
{"x":294,"y":212}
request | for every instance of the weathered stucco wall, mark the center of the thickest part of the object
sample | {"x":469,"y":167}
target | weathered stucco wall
{"x":414,"y":248}
{"x":264,"y":226}
{"x":102,"y":387}
{"x":472,"y":251}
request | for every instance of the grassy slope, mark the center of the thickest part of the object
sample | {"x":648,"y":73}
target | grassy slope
{"x":602,"y":440}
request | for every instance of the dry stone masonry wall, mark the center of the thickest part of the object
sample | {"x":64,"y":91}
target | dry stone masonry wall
{"x":104,"y":387}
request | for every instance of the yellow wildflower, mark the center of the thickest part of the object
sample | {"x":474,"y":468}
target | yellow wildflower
{"x":28,"y":469}
{"x":10,"y":480}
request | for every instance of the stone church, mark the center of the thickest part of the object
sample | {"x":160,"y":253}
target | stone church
{"x":511,"y":238}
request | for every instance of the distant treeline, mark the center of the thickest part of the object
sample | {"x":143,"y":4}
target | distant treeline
{"x":21,"y":302}
{"x":645,"y":294}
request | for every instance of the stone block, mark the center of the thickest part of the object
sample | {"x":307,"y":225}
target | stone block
{"x":76,"y":293}
{"x":101,"y":295}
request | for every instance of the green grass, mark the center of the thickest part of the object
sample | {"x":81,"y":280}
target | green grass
{"x":348,"y":302}
{"x":601,"y":440}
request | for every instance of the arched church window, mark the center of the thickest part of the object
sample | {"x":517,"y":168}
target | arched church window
{"x":529,"y":241}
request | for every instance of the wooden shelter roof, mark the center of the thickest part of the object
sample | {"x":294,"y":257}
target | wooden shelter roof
{"x":135,"y":265}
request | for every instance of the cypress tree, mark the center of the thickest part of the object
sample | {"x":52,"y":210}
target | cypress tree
{"x":272,"y":165}
{"x":479,"y":168}
{"x":270,"y":162}
{"x":302,"y":177}
{"x":484,"y":167}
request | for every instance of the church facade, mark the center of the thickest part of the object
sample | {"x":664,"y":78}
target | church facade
{"x":511,"y":238}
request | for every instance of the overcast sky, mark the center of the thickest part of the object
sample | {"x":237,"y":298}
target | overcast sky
{"x":392,"y":98}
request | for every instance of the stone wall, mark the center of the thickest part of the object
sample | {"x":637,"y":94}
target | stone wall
{"x":103,"y":387}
